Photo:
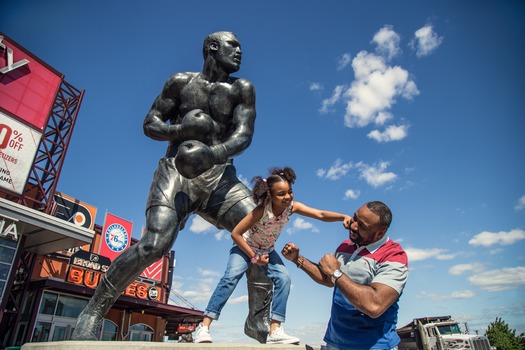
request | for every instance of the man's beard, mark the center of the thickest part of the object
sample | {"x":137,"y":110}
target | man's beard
{"x":358,"y":239}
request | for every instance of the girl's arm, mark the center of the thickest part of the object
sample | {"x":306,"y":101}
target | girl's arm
{"x":243,"y":226}
{"x":322,"y":215}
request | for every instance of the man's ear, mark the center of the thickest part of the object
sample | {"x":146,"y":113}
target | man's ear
{"x":380,"y":234}
{"x":214,"y":46}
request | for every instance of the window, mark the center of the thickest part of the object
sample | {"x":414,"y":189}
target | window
{"x":70,"y":306}
{"x":57,"y":316}
{"x":7,"y":253}
{"x":141,"y":332}
{"x":61,"y":305}
{"x":109,"y":330}
{"x":41,"y":333}
{"x":48,"y":304}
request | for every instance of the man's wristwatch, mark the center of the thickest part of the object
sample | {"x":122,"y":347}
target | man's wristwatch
{"x":335,"y":276}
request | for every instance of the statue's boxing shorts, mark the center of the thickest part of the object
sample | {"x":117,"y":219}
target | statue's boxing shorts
{"x":210,"y":194}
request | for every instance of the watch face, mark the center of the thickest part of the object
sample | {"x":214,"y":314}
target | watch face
{"x":335,"y":276}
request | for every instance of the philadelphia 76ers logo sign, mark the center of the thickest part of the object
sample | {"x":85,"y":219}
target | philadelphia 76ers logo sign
{"x":116,"y":237}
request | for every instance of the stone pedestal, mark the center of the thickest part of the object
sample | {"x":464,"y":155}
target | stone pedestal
{"x":128,"y":345}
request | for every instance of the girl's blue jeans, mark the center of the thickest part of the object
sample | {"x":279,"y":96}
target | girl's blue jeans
{"x":238,"y":263}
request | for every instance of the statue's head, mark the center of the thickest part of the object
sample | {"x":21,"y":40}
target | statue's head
{"x":225,"y":49}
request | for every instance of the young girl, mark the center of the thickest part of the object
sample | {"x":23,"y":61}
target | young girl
{"x":254,"y":239}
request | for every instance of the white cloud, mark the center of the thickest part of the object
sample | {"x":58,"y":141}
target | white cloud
{"x":245,"y":181}
{"x":521,"y":204}
{"x":352,"y":194}
{"x":336,"y":171}
{"x":326,"y":104}
{"x":300,"y":224}
{"x":391,"y":133}
{"x":365,"y":64}
{"x":238,"y":300}
{"x":495,"y":251}
{"x":375,"y":175}
{"x":461,"y":268}
{"x":487,"y":239}
{"x":344,"y":61}
{"x":460,"y":294}
{"x":425,"y":41}
{"x":316,"y":86}
{"x":222,"y":235}
{"x":200,"y":292}
{"x":415,"y":254}
{"x":375,"y":89}
{"x":387,"y":42}
{"x":199,"y":225}
{"x":207,"y":272}
{"x":383,"y":117}
{"x":500,"y":279}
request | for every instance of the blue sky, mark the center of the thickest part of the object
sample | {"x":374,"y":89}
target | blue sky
{"x":413,"y":103}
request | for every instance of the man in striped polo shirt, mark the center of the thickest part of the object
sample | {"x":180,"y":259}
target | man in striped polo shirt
{"x":368,"y":272}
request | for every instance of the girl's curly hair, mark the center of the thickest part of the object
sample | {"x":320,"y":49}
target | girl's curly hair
{"x":262,"y":186}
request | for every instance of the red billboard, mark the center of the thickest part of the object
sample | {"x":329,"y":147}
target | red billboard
{"x":28,"y":86}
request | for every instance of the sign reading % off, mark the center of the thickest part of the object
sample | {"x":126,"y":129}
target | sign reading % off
{"x":18,"y":146}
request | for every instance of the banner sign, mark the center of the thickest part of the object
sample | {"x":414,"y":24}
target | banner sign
{"x":89,"y":261}
{"x":27,"y":85}
{"x":116,"y":236}
{"x":87,"y":269}
{"x":154,"y":271}
{"x":18,"y":146}
{"x":77,"y":212}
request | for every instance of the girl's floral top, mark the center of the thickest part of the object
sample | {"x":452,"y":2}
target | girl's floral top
{"x":262,"y":236}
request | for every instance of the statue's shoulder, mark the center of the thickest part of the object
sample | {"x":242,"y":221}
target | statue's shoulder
{"x":243,"y":84}
{"x":180,"y":78}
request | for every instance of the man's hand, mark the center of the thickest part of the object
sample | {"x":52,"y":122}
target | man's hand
{"x":329,"y":264}
{"x":291,"y":252}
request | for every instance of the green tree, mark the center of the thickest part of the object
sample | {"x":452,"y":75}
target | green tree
{"x":504,"y":338}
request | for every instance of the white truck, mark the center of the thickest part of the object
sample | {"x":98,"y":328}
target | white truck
{"x":438,"y":333}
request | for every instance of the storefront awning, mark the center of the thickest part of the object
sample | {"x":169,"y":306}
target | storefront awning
{"x":44,"y":233}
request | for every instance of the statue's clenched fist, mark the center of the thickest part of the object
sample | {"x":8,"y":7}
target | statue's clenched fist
{"x":193,"y":158}
{"x":197,"y":125}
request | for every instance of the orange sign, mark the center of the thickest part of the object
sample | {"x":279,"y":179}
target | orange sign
{"x":91,"y":279}
{"x":86,"y":269}
{"x":75,"y":211}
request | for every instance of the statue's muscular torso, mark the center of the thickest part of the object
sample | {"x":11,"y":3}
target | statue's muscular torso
{"x":217,"y":99}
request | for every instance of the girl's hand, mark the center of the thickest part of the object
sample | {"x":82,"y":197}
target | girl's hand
{"x":263,"y":260}
{"x":347,"y":221}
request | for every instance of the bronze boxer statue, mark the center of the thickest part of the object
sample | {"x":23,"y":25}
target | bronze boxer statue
{"x":208,"y":118}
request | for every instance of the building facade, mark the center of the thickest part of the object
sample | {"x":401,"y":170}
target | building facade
{"x":50,"y":248}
